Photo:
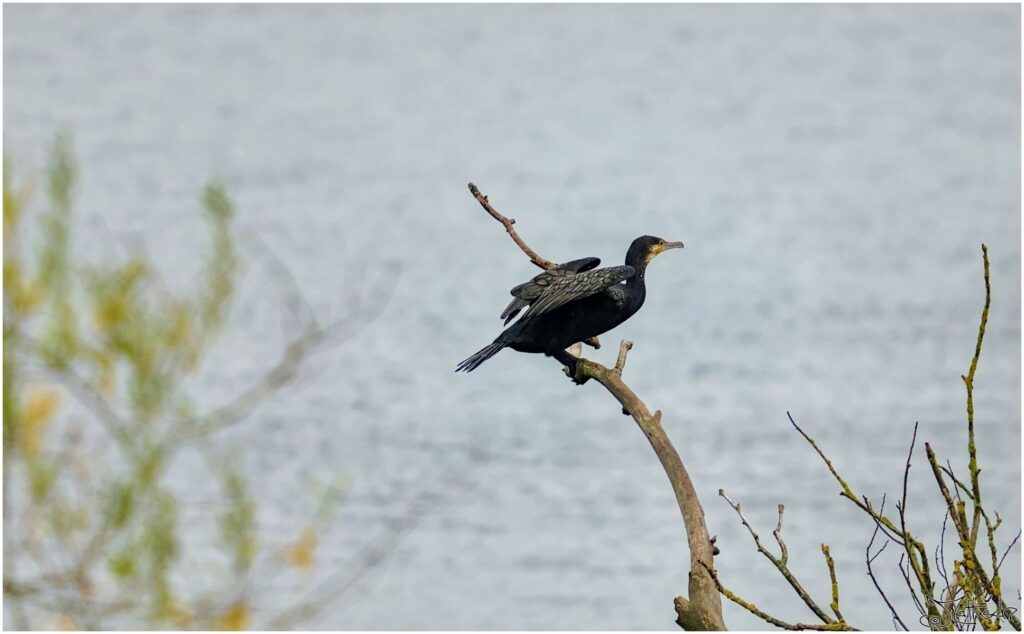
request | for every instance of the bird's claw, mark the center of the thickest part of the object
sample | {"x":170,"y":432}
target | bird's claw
{"x":573,"y":372}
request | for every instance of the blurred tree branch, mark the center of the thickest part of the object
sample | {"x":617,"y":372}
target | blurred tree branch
{"x":90,"y":540}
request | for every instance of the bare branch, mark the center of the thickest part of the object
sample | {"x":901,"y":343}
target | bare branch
{"x":917,"y":558}
{"x":940,"y":552}
{"x":846,"y":491}
{"x":956,"y":510}
{"x":508,"y":224}
{"x":906,"y":577}
{"x":891,"y":536}
{"x":620,"y":363}
{"x":1008,"y":549}
{"x":835,"y":584}
{"x":779,"y":564}
{"x":869,"y":559}
{"x":916,"y":552}
{"x":778,"y":537}
{"x":525,"y":248}
{"x":969,"y":384}
{"x":703,"y":609}
{"x":764,"y":616}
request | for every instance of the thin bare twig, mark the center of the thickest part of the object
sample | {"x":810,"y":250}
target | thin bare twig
{"x":778,"y":563}
{"x":846,"y":491}
{"x":778,"y":537}
{"x":1008,"y":548}
{"x":508,"y":224}
{"x":917,"y":554}
{"x":870,"y":559}
{"x":917,"y":558}
{"x":835,"y":584}
{"x":906,"y":577}
{"x":940,"y":552}
{"x":889,"y":535}
{"x":764,"y":616}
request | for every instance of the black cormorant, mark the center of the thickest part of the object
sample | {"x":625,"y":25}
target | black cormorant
{"x":572,"y":302}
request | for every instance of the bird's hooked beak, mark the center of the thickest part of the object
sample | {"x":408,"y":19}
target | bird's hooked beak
{"x":665,"y":246}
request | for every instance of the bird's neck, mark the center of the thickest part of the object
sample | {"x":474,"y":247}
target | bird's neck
{"x":636,"y":287}
{"x":640,"y":267}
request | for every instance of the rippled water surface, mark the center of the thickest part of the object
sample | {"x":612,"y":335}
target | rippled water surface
{"x":832,"y":171}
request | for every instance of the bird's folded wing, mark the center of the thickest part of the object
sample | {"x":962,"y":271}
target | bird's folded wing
{"x":559,"y":291}
{"x":527,"y":292}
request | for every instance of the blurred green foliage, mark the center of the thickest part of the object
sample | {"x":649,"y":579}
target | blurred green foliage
{"x":98,"y":352}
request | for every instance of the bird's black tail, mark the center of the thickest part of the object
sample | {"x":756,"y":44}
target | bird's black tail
{"x":479,"y":357}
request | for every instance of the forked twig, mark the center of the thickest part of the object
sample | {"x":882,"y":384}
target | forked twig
{"x":508,"y":224}
{"x":781,"y":565}
{"x":870,"y":559}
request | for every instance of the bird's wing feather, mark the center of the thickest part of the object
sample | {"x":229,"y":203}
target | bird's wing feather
{"x":527,"y":292}
{"x":532,"y":290}
{"x":513,"y":309}
{"x":560,"y":291}
{"x":580,"y":265}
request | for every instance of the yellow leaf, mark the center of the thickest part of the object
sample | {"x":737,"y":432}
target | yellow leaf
{"x":236,"y":617}
{"x":179,"y":613}
{"x":302,"y":553}
{"x":40,"y":406}
{"x":24,"y":297}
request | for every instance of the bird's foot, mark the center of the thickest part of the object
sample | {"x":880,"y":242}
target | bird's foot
{"x":570,"y":360}
{"x":575,"y":372}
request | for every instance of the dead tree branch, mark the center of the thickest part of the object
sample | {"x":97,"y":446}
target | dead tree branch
{"x":624,"y":347}
{"x":508,"y":224}
{"x":702,"y":610}
{"x":780,"y":563}
{"x":764,"y":616}
{"x":870,"y":559}
{"x":969,"y":383}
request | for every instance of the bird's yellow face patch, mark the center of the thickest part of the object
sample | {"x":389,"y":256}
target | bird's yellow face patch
{"x":660,"y":247}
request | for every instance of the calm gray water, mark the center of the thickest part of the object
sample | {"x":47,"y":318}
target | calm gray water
{"x":832,"y":171}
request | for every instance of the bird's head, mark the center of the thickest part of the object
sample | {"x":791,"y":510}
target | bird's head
{"x":645,"y":248}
